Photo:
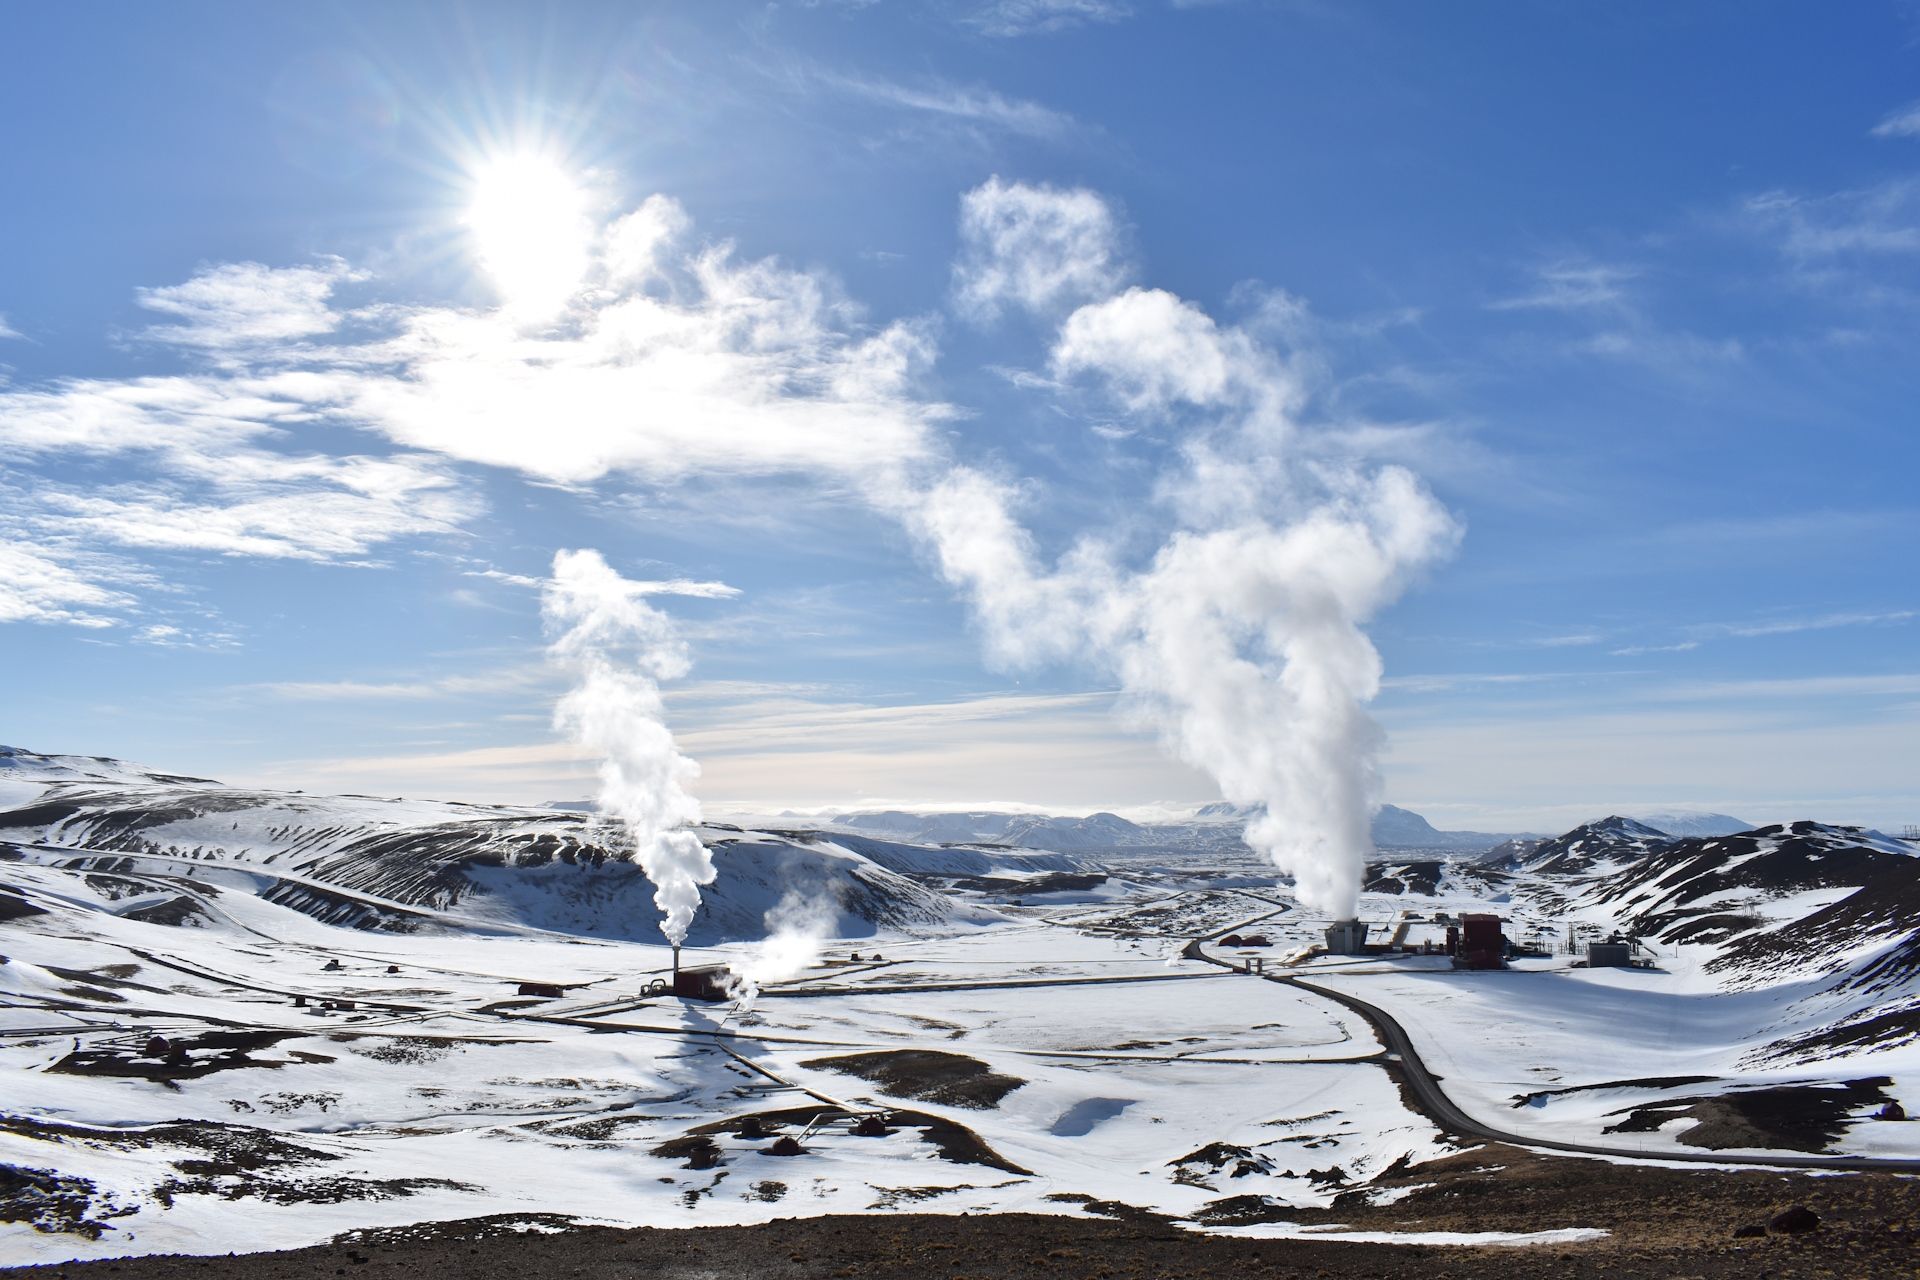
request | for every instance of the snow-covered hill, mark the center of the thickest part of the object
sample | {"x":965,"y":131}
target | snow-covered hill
{"x":1035,"y":831}
{"x":1692,"y":822}
{"x":1595,"y":848}
{"x":405,"y":865}
{"x":1836,"y":909}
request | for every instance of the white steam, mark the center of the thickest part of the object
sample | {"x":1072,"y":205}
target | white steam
{"x":614,"y":709}
{"x":1241,"y":639}
{"x":797,"y":927}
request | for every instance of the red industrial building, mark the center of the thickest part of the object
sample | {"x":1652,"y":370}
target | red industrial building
{"x":1478,"y":943}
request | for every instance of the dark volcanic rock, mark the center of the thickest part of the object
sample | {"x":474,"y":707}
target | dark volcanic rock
{"x":1794,"y":1220}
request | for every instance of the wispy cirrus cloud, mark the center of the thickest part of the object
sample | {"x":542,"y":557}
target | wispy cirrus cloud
{"x":968,"y":104}
{"x":1702,"y":633}
{"x":1883,"y":219}
{"x":1006,"y":18}
{"x":1599,"y":295}
{"x":1823,"y":622}
{"x":1904,"y":123}
{"x":1573,"y":285}
{"x":506,"y":680}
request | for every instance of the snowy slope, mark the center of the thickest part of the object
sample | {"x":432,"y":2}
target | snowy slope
{"x":1595,"y":848}
{"x":1692,"y":822}
{"x":1798,"y":903}
{"x":1103,"y":1065}
{"x":400,"y":865}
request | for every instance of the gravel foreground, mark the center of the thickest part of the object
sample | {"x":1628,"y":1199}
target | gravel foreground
{"x":1665,"y":1223}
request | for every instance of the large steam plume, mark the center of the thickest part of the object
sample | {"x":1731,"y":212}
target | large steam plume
{"x":614,"y":709}
{"x":1241,"y":638}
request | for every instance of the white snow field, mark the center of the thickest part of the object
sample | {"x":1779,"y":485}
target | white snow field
{"x":1023,"y":1022}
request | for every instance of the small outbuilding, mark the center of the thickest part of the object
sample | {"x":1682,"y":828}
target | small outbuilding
{"x":1609,"y":955}
{"x":709,"y":982}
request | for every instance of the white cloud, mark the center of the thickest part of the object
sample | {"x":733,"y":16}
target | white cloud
{"x":245,"y":304}
{"x":36,"y":587}
{"x":194,"y":467}
{"x":973,"y":105}
{"x":1157,"y":350}
{"x":1904,"y":123}
{"x":1826,"y":622}
{"x":1037,"y":247}
{"x":735,"y":368}
{"x":747,"y":368}
{"x":1573,"y":286}
{"x":1030,"y":17}
{"x":1881,"y":219}
{"x":7,"y":330}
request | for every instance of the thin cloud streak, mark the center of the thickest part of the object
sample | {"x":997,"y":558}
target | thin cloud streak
{"x":975,"y":105}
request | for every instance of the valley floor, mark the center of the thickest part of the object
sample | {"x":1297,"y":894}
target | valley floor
{"x":193,"y":1066}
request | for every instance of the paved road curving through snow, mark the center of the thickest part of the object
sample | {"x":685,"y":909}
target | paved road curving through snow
{"x":1442,"y":1110}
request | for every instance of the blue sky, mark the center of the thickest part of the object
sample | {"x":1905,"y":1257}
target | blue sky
{"x":1631,"y":291}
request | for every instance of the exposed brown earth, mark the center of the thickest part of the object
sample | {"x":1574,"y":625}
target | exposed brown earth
{"x":1665,"y":1223}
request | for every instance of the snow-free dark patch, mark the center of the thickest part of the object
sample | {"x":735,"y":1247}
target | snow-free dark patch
{"x":950,"y":1079}
{"x":409,"y":1050}
{"x":187,"y":1059}
{"x":955,"y":1142}
{"x":1195,"y":1167}
{"x":602,"y":1129}
{"x":1785,"y":1118}
{"x":302,"y":1190}
{"x":175,"y":912}
{"x":14,"y":907}
{"x":1403,"y":877}
{"x":496,"y":1226}
{"x":891,"y":1197}
{"x":230,"y":1161}
{"x":1649,"y":1082}
{"x":54,"y":1203}
{"x":1857,"y":1034}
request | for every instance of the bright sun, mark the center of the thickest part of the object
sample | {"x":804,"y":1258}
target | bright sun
{"x":529,"y":223}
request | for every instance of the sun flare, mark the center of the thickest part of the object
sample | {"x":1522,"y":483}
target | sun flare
{"x":531,"y":232}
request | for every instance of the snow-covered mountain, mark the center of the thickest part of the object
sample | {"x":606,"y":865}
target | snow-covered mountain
{"x":1397,"y":828}
{"x":406,"y":866}
{"x":1825,"y":919}
{"x":1594,"y":848}
{"x":1690,"y":822}
{"x":1037,"y":831}
{"x":1393,"y":828}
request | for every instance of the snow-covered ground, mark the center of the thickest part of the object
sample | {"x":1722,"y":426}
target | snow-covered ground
{"x":1024,"y":1018}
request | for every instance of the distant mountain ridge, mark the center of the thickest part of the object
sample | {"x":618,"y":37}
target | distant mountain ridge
{"x":409,"y":865}
{"x":1393,"y":828}
{"x":1687,"y":822}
